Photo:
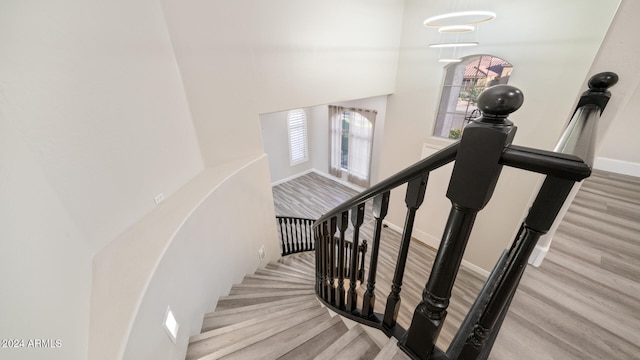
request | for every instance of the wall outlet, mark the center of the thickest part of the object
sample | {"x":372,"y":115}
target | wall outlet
{"x":262,"y":253}
{"x":158,"y":198}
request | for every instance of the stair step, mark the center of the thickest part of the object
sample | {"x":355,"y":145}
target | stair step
{"x":224,"y":341}
{"x":315,"y":346}
{"x":300,"y":260}
{"x":284,"y":274}
{"x":240,"y":289}
{"x":276,"y":346}
{"x":221,"y":318}
{"x":264,"y":279}
{"x":297,"y":269}
{"x":232,"y":301}
{"x":355,"y":344}
{"x":391,"y":351}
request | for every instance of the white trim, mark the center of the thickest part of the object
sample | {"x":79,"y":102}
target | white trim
{"x":538,"y":254}
{"x":321,"y":173}
{"x":433,"y":242}
{"x":281,"y":181}
{"x":617,"y":166}
{"x":338,"y":180}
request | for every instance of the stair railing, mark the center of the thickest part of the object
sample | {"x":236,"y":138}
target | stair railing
{"x":296,"y":235}
{"x":485,"y":147}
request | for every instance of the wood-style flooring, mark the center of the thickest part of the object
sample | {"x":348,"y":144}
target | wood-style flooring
{"x":583,"y":302}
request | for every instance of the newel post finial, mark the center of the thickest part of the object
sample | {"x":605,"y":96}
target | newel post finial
{"x":602,"y":81}
{"x":497,"y":102}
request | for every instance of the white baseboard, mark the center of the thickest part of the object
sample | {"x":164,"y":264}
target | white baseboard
{"x":434,"y":242}
{"x":282,"y":181}
{"x":338,"y":180}
{"x":321,"y":173}
{"x":538,"y":254}
{"x":617,"y":166}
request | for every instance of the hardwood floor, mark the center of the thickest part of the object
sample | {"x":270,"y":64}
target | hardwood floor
{"x":581,"y":303}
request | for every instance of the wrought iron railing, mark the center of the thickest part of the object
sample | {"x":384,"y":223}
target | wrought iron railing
{"x":485,"y":147}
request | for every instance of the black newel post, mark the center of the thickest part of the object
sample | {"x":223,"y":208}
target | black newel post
{"x":473,"y":180}
{"x":413,"y":199}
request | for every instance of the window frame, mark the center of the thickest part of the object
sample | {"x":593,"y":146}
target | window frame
{"x":454,"y":85}
{"x":298,"y":136}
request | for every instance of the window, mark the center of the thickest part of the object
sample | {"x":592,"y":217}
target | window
{"x":351,"y":143}
{"x":463,"y":82}
{"x":298,"y":147}
{"x":344,"y":143}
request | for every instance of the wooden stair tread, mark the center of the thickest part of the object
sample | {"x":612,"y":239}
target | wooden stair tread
{"x":355,"y":344}
{"x":275,"y":314}
{"x":279,"y":344}
{"x":215,"y":347}
{"x":391,"y":351}
{"x":231,"y":316}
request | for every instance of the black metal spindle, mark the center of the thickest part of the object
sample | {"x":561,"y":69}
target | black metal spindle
{"x":473,"y":180}
{"x":343,"y":224}
{"x":380,"y":208}
{"x":357,"y":218}
{"x":413,"y":199}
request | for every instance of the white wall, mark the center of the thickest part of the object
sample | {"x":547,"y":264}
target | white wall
{"x":239,"y":59}
{"x":185,"y":255}
{"x":618,"y":147}
{"x":95,"y":123}
{"x":96,"y":94}
{"x":275,"y":137}
{"x":550,"y":64}
{"x":45,"y":265}
{"x":276,"y":145}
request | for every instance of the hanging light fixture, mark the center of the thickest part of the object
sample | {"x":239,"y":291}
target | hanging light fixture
{"x":460,"y":18}
{"x":458,"y":24}
{"x":456,"y":28}
{"x":454,"y":44}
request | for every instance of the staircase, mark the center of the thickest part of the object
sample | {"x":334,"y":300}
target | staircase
{"x":274,"y":314}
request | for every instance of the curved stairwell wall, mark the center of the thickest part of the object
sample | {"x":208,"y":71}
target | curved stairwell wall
{"x":185,"y":254}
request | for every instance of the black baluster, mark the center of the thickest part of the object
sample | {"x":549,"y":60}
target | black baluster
{"x":473,"y":180}
{"x":357,"y":217}
{"x":343,"y":224}
{"x":325,"y":255}
{"x":312,"y":238}
{"x":316,"y":234}
{"x":542,"y":214}
{"x":287,"y":227}
{"x":307,"y":242}
{"x":413,"y":199}
{"x":299,"y":235}
{"x":283,"y":252}
{"x":362,"y":251}
{"x":332,"y":259}
{"x":380,"y":207}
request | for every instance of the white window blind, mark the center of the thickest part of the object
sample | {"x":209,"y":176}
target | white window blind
{"x":298,"y":149}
